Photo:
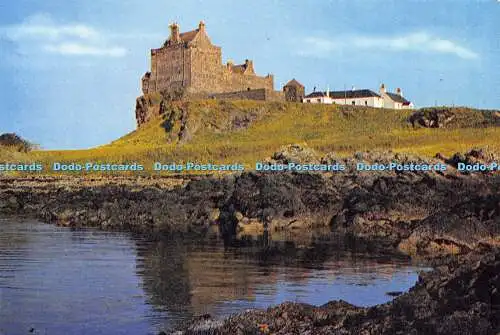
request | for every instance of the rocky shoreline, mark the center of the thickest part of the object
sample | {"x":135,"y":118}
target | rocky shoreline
{"x":418,"y":213}
{"x":461,"y":297}
{"x":448,"y":218}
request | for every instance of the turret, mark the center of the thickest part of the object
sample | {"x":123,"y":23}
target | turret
{"x":175,"y":35}
{"x":201,"y":26}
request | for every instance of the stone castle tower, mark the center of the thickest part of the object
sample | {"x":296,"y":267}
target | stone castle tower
{"x":189,"y":61}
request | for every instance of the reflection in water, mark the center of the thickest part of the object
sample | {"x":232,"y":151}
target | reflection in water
{"x":161,"y":265}
{"x":60,"y":281}
{"x":187,"y":280}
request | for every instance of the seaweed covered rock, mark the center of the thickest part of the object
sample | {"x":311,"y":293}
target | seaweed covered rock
{"x":295,"y":153}
{"x":474,"y":156}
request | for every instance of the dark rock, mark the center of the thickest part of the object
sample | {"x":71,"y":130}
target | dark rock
{"x":474,"y":156}
{"x":432,"y":117}
{"x":295,"y":153}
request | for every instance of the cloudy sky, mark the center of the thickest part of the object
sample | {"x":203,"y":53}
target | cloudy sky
{"x":70,"y":70}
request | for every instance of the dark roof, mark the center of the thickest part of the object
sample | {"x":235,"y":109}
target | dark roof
{"x":398,"y":98}
{"x":294,"y":83}
{"x":315,"y":95}
{"x":351,"y":94}
{"x":188,"y":36}
{"x":241,"y":68}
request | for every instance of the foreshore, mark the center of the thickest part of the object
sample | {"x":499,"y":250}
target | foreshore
{"x":451,"y":219}
{"x":420,"y":213}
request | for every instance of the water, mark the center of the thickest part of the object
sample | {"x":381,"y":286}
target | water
{"x":61,"y":281}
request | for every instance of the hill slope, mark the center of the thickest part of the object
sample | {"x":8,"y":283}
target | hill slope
{"x":249,"y":131}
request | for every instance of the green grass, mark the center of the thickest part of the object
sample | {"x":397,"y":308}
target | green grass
{"x":325,"y":128}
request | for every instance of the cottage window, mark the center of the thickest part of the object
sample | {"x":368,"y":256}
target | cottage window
{"x":319,"y":100}
{"x":366,"y":103}
{"x":353,"y":102}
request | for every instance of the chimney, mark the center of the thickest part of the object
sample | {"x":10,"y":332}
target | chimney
{"x":201,"y":26}
{"x":175,"y":35}
{"x":328,"y":91}
{"x":399,"y":91}
{"x":382,"y":88}
{"x":249,"y":66}
{"x":353,"y":88}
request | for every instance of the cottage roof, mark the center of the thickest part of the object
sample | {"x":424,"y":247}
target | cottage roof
{"x":316,"y":95}
{"x":398,"y":98}
{"x":351,"y":94}
{"x":294,"y":83}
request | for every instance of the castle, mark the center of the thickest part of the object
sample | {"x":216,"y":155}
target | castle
{"x":190,"y":62}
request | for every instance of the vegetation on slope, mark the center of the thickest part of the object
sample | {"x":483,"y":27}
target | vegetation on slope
{"x":13,"y":148}
{"x":13,"y":142}
{"x":248,"y":131}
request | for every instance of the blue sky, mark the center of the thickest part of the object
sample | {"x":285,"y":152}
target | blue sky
{"x":70,"y":70}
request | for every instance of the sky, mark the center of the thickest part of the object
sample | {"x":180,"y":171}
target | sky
{"x":70,"y":70}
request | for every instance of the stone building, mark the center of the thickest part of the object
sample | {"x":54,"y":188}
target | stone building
{"x":294,"y":91}
{"x":190,"y":62}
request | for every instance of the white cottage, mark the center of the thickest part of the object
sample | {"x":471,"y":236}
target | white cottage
{"x":394,"y":100}
{"x":352,"y":97}
{"x":363,"y":97}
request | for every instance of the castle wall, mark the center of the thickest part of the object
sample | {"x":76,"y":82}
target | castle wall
{"x":170,"y":68}
{"x":239,"y":82}
{"x":220,"y":79}
{"x":209,"y":75}
{"x":253,"y":94}
{"x":195,"y":65}
{"x":205,"y":70}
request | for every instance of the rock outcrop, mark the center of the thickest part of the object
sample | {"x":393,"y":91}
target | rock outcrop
{"x":432,"y":117}
{"x":295,"y":153}
{"x":474,"y":156}
{"x":424,"y":213}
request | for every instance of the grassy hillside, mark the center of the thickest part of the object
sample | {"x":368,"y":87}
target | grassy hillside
{"x":7,"y":154}
{"x":249,"y":131}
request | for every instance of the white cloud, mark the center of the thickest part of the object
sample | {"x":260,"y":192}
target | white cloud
{"x":41,"y":33}
{"x":76,"y":49}
{"x":417,"y":42}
